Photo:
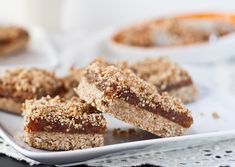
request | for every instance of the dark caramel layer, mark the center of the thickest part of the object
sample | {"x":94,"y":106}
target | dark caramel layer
{"x":178,"y":85}
{"x":169,"y":86}
{"x":132,"y":99}
{"x":180,"y":118}
{"x":43,"y":125}
{"x":4,"y":42}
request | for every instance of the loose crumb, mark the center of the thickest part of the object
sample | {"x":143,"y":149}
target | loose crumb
{"x":215,"y":115}
{"x":131,"y":131}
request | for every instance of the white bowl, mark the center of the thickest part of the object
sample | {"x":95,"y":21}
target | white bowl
{"x":205,"y":52}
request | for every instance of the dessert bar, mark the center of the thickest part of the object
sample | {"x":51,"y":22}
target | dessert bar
{"x":17,"y":85}
{"x":121,"y":93}
{"x":59,"y":124}
{"x":12,"y":39}
{"x":167,"y":77}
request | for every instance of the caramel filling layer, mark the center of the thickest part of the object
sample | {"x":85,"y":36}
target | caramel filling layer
{"x":43,"y":125}
{"x":169,"y":86}
{"x":178,"y":85}
{"x":180,"y":118}
{"x":4,"y":42}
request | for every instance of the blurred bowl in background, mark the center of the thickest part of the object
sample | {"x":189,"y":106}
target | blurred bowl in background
{"x":187,"y":38}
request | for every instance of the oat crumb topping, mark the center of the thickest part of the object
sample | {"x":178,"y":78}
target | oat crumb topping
{"x":34,"y":81}
{"x":113,"y":79}
{"x":58,"y":109}
{"x":161,"y":72}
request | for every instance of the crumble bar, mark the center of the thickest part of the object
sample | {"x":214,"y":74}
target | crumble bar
{"x":17,"y":85}
{"x":166,"y":76}
{"x":12,"y":39}
{"x":119,"y":92}
{"x":59,"y":124}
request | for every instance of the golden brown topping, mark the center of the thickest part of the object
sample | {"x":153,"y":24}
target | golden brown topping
{"x":34,"y":82}
{"x":74,"y":75}
{"x":57,"y":106}
{"x":162,"y":73}
{"x":114,"y":80}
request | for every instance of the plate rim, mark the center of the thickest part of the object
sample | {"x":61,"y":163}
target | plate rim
{"x":142,"y":143}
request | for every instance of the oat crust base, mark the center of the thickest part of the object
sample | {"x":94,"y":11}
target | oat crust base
{"x":62,"y":141}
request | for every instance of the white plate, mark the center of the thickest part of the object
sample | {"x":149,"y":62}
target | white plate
{"x":194,"y":53}
{"x":39,"y":53}
{"x":205,"y":129}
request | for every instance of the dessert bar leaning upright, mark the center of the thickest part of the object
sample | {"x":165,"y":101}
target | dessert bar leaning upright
{"x":59,"y":124}
{"x":127,"y":97}
{"x":166,"y":76}
{"x":17,"y":85}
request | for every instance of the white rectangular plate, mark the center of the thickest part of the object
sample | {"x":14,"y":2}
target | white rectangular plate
{"x":205,"y":129}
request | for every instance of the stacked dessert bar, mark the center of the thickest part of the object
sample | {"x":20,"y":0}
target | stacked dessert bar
{"x":59,"y":124}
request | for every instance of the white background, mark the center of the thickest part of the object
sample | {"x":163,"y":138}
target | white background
{"x":96,"y":14}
